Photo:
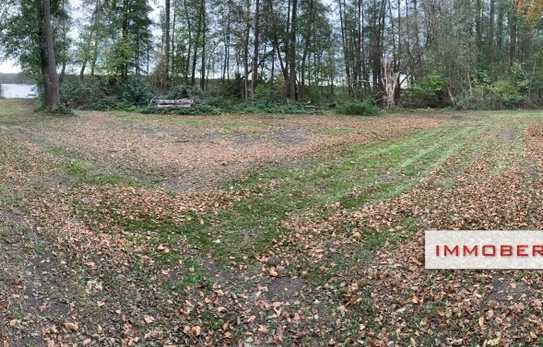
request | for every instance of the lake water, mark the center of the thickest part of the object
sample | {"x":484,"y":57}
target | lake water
{"x":18,"y":91}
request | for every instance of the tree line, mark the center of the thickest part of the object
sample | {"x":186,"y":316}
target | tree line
{"x":395,"y":52}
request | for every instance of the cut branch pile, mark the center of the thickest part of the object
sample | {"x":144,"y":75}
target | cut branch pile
{"x":174,"y":103}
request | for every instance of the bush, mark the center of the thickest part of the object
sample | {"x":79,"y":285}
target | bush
{"x":507,"y":94}
{"x":196,"y":110}
{"x":201,"y":109}
{"x":102,"y":94}
{"x":271,"y":107}
{"x":60,"y":110}
{"x":364,"y":108}
{"x":317,"y":95}
{"x":291,"y":109}
{"x":104,"y":104}
{"x":431,"y":91}
{"x":231,"y":88}
{"x":266,"y":91}
{"x":501,"y":94}
{"x":510,"y":91}
{"x":85,"y":94}
{"x":134,"y":91}
{"x":134,"y":94}
{"x":184,"y":91}
{"x":220,"y":102}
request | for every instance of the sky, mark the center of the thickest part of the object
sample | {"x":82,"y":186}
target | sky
{"x":9,"y":67}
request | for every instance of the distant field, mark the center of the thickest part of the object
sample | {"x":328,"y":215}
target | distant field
{"x":121,"y":228}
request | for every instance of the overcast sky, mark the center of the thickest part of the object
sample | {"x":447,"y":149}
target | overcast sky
{"x":9,"y":67}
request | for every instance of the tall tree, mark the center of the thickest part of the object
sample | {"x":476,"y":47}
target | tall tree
{"x":203,"y":29}
{"x":51,"y":94}
{"x":167,"y":12}
{"x":129,"y":28}
{"x":256,"y":47}
{"x":28,"y":31}
{"x":90,"y":35}
{"x":292,"y":92}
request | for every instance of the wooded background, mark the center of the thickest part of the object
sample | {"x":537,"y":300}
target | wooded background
{"x":394,"y":52}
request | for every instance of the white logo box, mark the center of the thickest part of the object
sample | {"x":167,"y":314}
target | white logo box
{"x":483,"y":249}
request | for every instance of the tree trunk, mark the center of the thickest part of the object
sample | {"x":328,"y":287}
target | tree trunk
{"x":82,"y":70}
{"x":51,"y":95}
{"x":255,"y":53}
{"x":62,"y":72}
{"x":92,"y":38}
{"x":292,"y":53}
{"x":490,"y":38}
{"x":272,"y":73}
{"x":190,"y":44}
{"x":204,"y":29}
{"x":359,"y":45}
{"x":94,"y":51}
{"x":307,"y":47}
{"x":226,"y":57}
{"x":345,"y":46}
{"x":246,"y":50}
{"x":512,"y":37}
{"x":95,"y":46}
{"x":173,"y":48}
{"x":499,"y":30}
{"x":275,"y":45}
{"x":194,"y":57}
{"x":167,"y":12}
{"x":391,"y":79}
{"x":478,"y":29}
{"x":124,"y":37}
{"x":194,"y":61}
{"x":417,"y":39}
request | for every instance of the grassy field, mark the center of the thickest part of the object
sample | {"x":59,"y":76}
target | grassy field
{"x":120,"y":228}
